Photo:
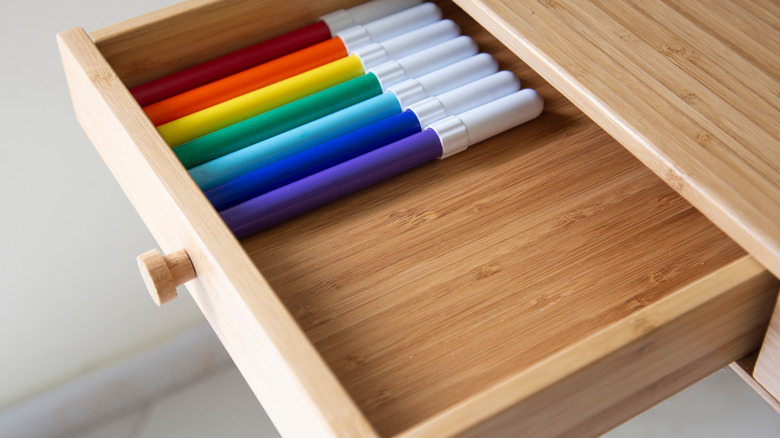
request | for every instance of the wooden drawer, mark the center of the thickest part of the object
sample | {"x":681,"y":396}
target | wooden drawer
{"x":543,"y":282}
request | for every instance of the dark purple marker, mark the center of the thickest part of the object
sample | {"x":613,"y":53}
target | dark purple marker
{"x":442,"y":139}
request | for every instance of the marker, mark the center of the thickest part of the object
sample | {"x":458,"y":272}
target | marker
{"x":393,"y":36}
{"x":275,"y":95}
{"x":363,"y":140}
{"x":328,"y":101}
{"x":442,"y":139}
{"x":328,"y":26}
{"x":222,"y":169}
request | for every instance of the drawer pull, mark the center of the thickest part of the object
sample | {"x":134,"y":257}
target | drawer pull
{"x":162,"y":274}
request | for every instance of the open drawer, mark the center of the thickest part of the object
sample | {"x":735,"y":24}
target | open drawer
{"x":544,"y":282}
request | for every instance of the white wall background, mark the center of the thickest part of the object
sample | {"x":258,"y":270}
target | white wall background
{"x":72,"y":299}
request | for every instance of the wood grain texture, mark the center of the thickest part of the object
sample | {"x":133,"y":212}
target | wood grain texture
{"x":427,"y":289}
{"x":690,"y":88}
{"x":300,"y":394}
{"x":744,"y":369}
{"x":767,"y":369}
{"x":637,"y":361}
{"x":545,"y":269}
{"x":191,"y":32}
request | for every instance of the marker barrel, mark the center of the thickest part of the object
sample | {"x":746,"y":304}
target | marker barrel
{"x":320,"y":188}
{"x":280,"y":93}
{"x":245,"y":81}
{"x":313,"y":160}
{"x":225,"y":168}
{"x":259,"y":101}
{"x":362,"y":140}
{"x":265,"y":125}
{"x":222,"y":169}
{"x":226,"y":65}
{"x":276,"y":121}
{"x":405,"y":38}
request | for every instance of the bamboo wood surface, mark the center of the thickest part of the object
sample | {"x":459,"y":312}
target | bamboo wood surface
{"x":425,"y":290}
{"x":625,"y":368}
{"x":767,"y":369}
{"x":288,"y":376}
{"x":431,"y":298}
{"x":690,"y":88}
{"x":744,"y":369}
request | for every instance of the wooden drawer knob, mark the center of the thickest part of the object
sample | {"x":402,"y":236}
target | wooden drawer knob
{"x":163,"y":274}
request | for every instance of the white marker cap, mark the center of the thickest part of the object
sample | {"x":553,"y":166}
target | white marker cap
{"x":390,"y":26}
{"x":426,"y":61}
{"x":444,"y":79}
{"x":363,"y":13}
{"x":459,"y":132}
{"x":465,"y":98}
{"x":408,"y":43}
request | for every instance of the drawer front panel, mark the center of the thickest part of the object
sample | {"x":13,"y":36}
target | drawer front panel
{"x":260,"y":334}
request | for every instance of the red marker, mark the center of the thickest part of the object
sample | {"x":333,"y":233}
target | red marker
{"x":366,"y":40}
{"x":226,"y":65}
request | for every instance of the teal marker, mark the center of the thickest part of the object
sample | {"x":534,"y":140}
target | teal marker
{"x":222,"y":169}
{"x":225,"y":168}
{"x":372,"y":57}
{"x":278,"y":120}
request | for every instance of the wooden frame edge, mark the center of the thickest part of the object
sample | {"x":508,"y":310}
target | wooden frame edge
{"x":664,"y":348}
{"x":767,"y":367}
{"x":744,"y":369}
{"x":297,"y":389}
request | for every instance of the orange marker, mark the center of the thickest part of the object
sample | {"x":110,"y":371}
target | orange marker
{"x":260,"y":76}
{"x":245,"y":81}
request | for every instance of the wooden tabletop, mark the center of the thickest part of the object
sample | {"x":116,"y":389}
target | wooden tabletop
{"x":691,"y":88}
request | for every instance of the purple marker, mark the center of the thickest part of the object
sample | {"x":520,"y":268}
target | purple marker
{"x":442,"y":139}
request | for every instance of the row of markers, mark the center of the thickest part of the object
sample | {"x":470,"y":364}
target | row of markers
{"x":289,"y":124}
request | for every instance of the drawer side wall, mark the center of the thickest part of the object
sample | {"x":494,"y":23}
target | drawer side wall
{"x":300,"y":394}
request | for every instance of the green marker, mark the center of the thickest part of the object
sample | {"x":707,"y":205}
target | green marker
{"x":278,"y":120}
{"x":375,"y":58}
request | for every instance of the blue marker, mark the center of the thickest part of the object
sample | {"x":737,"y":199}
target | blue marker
{"x":306,"y":109}
{"x":442,"y":139}
{"x":411,"y":121}
{"x":225,"y":168}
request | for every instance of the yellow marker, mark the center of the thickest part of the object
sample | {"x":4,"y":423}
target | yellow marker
{"x":259,"y":101}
